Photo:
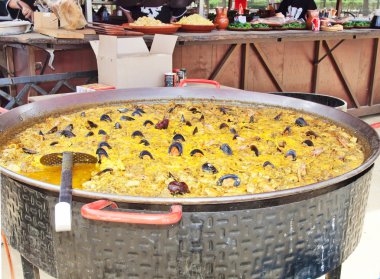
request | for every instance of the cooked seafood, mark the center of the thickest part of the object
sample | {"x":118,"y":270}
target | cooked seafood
{"x":231,"y":150}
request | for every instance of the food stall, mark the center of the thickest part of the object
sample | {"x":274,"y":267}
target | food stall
{"x":343,"y":64}
{"x":202,"y":207}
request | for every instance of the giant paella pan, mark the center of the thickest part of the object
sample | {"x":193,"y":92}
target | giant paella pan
{"x":222,"y":221}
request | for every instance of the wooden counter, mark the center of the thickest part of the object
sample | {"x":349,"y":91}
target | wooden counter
{"x":342,"y":64}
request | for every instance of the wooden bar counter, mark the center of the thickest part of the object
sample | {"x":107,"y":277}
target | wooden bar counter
{"x":341,"y":64}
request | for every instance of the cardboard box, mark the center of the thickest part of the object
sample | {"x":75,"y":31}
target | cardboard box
{"x":127,"y":62}
{"x":93,"y":87}
{"x":45,"y":20}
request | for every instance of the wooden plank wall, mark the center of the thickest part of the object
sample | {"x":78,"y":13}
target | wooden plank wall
{"x":292,"y":65}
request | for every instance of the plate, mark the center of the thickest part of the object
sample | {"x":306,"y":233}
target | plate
{"x":262,"y":29}
{"x":14,"y":27}
{"x":150,"y":30}
{"x":238,"y":29}
{"x":197,"y":28}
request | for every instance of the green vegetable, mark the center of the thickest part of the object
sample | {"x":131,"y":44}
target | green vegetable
{"x":295,"y":25}
{"x":260,"y":25}
{"x":362,"y":24}
{"x":240,"y":25}
{"x":349,"y":24}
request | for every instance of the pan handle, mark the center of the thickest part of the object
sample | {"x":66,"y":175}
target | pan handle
{"x":94,"y":211}
{"x":199,"y":80}
{"x":375,"y":125}
{"x":3,"y":110}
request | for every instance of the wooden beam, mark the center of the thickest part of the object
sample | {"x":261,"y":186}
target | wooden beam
{"x":221,"y":64}
{"x":314,"y":81}
{"x":244,"y":67}
{"x":339,"y":5}
{"x":267,"y":66}
{"x":374,"y":71}
{"x":342,"y":75}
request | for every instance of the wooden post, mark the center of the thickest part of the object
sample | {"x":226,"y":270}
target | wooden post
{"x":339,"y":5}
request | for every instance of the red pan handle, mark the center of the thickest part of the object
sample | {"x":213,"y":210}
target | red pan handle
{"x":199,"y":80}
{"x":375,"y":125}
{"x":94,"y":211}
{"x":3,"y":110}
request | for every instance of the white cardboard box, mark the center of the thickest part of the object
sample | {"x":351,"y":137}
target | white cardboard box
{"x":127,"y":62}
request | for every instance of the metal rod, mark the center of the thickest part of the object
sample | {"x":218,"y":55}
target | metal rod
{"x":29,"y":270}
{"x":334,"y":274}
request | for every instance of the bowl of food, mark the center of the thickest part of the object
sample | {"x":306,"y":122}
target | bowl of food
{"x":196,"y":23}
{"x":151,"y":26}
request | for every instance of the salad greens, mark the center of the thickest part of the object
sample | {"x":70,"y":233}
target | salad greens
{"x":362,"y":24}
{"x":240,"y":25}
{"x":295,"y":25}
{"x":349,"y":24}
{"x":260,"y":25}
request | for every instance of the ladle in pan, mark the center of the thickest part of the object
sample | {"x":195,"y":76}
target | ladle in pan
{"x":67,"y":160}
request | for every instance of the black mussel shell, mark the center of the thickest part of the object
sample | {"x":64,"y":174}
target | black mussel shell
{"x":67,"y":134}
{"x":105,"y":117}
{"x":287,"y":130}
{"x":148,"y":122}
{"x":278,"y":116}
{"x":126,"y":118}
{"x":267,"y":163}
{"x":235,"y":136}
{"x":122,"y":110}
{"x":207,"y":167}
{"x":312,"y":134}
{"x":195,"y":130}
{"x":183,"y":119}
{"x":233,"y":131}
{"x":144,"y":142}
{"x":178,"y":188}
{"x":226,"y":149}
{"x":101,"y":152}
{"x":255,"y":150}
{"x":52,"y":130}
{"x":162,"y":124}
{"x":92,"y":124}
{"x":223,"y":110}
{"x":83,"y":114}
{"x":251,"y":119}
{"x":54,"y":143}
{"x":175,"y":149}
{"x":89,"y":134}
{"x":40,"y":133}
{"x":104,"y":143}
{"x":223,"y":125}
{"x":229,"y":176}
{"x":196,"y":152}
{"x":145,"y":153}
{"x":136,"y":112}
{"x":308,"y":142}
{"x":117,"y":125}
{"x":102,"y":132}
{"x":29,"y":151}
{"x":69,"y":127}
{"x":194,"y":110}
{"x":188,"y":123}
{"x":202,"y":118}
{"x":301,"y":122}
{"x":292,"y":153}
{"x":137,"y":134}
{"x":178,"y":137}
{"x":170,"y":110}
{"x":104,"y":171}
{"x":139,"y":110}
